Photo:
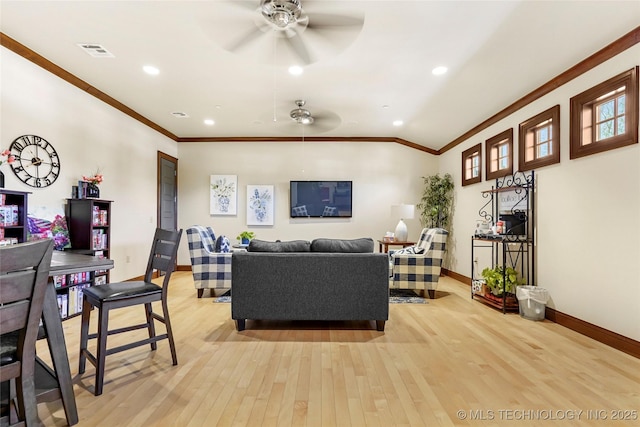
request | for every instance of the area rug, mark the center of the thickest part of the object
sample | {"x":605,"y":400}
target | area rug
{"x":396,"y":296}
{"x":226,"y":297}
{"x":405,"y":296}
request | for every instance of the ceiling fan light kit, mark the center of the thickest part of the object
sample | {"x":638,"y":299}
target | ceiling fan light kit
{"x":301,"y":115}
{"x":281,"y":13}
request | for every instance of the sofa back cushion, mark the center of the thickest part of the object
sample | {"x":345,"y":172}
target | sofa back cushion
{"x":256,"y":245}
{"x":362,"y":245}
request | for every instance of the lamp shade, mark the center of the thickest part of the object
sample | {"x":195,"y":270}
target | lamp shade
{"x":403,"y":211}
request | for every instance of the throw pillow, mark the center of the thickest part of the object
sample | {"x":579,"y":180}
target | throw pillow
{"x":362,"y":245}
{"x":411,"y":250}
{"x":223,"y":245}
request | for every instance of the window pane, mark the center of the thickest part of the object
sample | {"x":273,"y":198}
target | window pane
{"x":621,"y":105}
{"x":474,"y":171}
{"x":504,"y":150}
{"x":503,"y":163}
{"x":605,"y":111}
{"x":543,"y":150}
{"x":543,"y":135}
{"x":621,"y":126}
{"x":605,"y":130}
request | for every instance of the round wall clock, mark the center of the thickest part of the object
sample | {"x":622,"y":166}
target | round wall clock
{"x":37,"y":163}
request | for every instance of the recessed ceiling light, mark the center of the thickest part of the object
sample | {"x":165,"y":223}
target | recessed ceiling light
{"x":151,"y":70}
{"x":295,"y":70}
{"x":438,"y":71}
{"x":209,"y":122}
{"x":398,"y":122}
{"x":385,"y":106}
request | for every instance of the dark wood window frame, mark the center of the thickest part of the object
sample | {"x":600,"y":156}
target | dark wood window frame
{"x":582,"y":105}
{"x":528,"y":130}
{"x":503,"y":138}
{"x":467,"y":155}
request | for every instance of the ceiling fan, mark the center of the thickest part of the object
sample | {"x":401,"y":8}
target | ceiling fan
{"x":322,"y":121}
{"x":287,"y":21}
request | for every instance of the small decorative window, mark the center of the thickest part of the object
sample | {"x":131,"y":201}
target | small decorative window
{"x":471,"y":165}
{"x":539,"y":140}
{"x":499,"y":155}
{"x":606,"y":116}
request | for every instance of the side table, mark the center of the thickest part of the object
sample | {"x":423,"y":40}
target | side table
{"x":382,"y":244}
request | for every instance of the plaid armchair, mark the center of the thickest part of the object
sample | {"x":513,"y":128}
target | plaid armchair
{"x":418,"y":266}
{"x":211,"y":268}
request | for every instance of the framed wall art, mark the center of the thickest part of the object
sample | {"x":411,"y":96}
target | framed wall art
{"x":260,"y":202}
{"x":224,"y":195}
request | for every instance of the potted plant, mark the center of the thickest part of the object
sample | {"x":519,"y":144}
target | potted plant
{"x":499,"y":279}
{"x":436,"y":202}
{"x":245,"y":236}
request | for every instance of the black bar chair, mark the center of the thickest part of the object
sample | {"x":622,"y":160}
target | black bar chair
{"x":24,"y":274}
{"x":117,"y":295}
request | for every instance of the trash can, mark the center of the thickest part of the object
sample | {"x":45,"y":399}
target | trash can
{"x":532,"y":301}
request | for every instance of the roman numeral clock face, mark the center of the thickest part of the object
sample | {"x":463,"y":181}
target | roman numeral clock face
{"x":37,"y":163}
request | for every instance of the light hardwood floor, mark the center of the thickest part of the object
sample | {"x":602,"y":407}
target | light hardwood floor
{"x":450,"y":362}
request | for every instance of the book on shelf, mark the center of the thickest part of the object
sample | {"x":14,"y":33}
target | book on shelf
{"x":60,"y":281}
{"x":100,"y":280}
{"x":63,"y":304}
{"x":9,"y":215}
{"x":99,"y":216}
{"x":73,"y":300}
{"x":99,"y":238}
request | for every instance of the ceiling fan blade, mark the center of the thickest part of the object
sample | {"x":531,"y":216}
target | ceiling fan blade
{"x":296,"y":43}
{"x":320,"y":21}
{"x":244,"y":40}
{"x":324,"y":121}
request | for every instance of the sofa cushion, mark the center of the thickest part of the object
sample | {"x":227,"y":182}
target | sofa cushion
{"x":362,"y":245}
{"x":256,"y":245}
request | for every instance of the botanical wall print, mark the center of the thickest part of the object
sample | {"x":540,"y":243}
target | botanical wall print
{"x":224,"y":195}
{"x":259,"y":204}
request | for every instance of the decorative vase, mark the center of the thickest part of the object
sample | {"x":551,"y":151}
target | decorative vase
{"x":245,"y":241}
{"x":1,"y":179}
{"x":93,"y":191}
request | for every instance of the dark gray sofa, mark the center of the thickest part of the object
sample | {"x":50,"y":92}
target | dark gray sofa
{"x":314,"y":284}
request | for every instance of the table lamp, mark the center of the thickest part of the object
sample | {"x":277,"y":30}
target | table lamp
{"x":404,"y":212}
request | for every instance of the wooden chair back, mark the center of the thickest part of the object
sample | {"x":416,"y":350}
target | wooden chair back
{"x":24,"y":273}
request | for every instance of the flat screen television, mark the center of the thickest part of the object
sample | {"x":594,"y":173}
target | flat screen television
{"x":320,"y":199}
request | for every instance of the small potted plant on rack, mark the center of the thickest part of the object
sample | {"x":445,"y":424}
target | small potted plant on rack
{"x":245,"y":237}
{"x":500,"y":279}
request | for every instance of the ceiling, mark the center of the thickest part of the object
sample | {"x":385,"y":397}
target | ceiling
{"x":356,"y":82}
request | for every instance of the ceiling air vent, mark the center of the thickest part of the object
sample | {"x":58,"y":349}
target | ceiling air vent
{"x":180,"y":115}
{"x":96,"y":50}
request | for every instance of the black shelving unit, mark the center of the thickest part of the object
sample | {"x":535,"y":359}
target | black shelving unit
{"x":512,"y":201}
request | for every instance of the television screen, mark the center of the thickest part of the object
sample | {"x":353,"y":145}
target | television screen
{"x":320,"y":199}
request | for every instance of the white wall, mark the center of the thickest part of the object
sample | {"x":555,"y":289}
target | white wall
{"x":383,"y":174}
{"x":587,"y":214}
{"x":87,"y":134}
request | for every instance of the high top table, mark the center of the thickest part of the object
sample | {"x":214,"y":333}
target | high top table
{"x":55,"y":383}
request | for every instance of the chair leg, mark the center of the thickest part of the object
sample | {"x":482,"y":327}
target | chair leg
{"x":84,"y":335}
{"x":101,"y":354}
{"x":200,"y":292}
{"x":432,"y":293}
{"x":26,"y":390}
{"x":150,"y":325}
{"x":172,"y":344}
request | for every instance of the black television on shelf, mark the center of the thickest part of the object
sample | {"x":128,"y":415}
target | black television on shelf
{"x":320,"y":199}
